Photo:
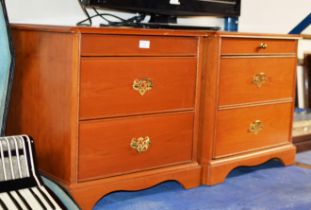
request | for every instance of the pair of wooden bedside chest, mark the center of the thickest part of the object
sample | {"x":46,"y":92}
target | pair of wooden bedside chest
{"x":125,"y":109}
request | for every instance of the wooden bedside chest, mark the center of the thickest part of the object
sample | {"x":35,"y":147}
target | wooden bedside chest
{"x":126,"y":109}
{"x":110,"y":109}
{"x":247,"y":103}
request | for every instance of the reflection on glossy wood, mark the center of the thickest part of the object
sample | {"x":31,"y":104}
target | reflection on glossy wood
{"x":43,"y":105}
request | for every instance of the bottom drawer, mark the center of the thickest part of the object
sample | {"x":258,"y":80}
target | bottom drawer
{"x":112,"y":147}
{"x":244,"y":129}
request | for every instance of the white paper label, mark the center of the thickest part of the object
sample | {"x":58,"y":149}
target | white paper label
{"x":175,"y":2}
{"x":144,"y":44}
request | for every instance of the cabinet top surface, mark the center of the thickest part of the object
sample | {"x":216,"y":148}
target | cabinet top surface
{"x":109,"y":30}
{"x":143,"y":31}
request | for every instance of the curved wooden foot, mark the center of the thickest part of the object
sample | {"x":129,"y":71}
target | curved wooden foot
{"x":88,"y":193}
{"x":217,"y":170}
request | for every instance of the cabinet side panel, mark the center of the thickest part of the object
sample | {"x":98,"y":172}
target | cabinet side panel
{"x":209,"y":98}
{"x":45,"y":98}
{"x":293,"y":94}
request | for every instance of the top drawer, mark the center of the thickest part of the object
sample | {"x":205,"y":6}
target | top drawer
{"x":99,"y":45}
{"x":257,"y":46}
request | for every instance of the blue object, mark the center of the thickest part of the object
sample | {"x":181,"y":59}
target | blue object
{"x":6,"y":66}
{"x":60,"y":193}
{"x":231,"y":23}
{"x":304,"y":157}
{"x":300,"y":110}
{"x":302,"y":25}
{"x":267,"y":187}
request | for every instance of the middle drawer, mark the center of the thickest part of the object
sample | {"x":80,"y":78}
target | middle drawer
{"x":126,"y":86}
{"x":252,"y":79}
{"x":124,"y":145}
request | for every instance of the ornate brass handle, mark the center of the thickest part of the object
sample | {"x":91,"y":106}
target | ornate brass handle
{"x":259,"y":79}
{"x":263,"y":45}
{"x":142,"y":85}
{"x":140,"y":144}
{"x":255,"y":127}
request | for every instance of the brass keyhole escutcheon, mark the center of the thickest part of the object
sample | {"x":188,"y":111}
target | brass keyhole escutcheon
{"x":140,"y":144}
{"x":259,"y":79}
{"x":255,"y":127}
{"x":142,"y":85}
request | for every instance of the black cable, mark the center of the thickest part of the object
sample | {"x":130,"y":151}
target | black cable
{"x":86,"y":13}
{"x":93,"y":16}
{"x":136,"y":19}
{"x":131,"y":21}
{"x":108,"y":21}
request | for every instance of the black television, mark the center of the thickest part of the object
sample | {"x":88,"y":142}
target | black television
{"x":165,"y":12}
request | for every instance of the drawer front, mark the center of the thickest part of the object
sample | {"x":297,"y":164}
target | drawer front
{"x":260,"y":46}
{"x":123,"y":86}
{"x":94,"y":45}
{"x":245,"y":80}
{"x":105,"y":146}
{"x":245,"y":129}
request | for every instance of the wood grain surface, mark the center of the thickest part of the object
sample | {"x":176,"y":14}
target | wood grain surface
{"x":232,"y":128}
{"x":237,"y":74}
{"x":73,"y":92}
{"x":44,"y":100}
{"x":99,"y":45}
{"x":251,"y":46}
{"x":107,"y":85}
{"x":104,"y":147}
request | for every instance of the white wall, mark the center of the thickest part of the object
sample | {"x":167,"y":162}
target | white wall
{"x":272,"y":16}
{"x":265,"y":16}
{"x":304,"y":47}
{"x":55,"y":12}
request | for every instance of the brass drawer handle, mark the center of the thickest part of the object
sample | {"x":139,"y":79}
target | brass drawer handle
{"x":142,"y":85}
{"x":263,"y":45}
{"x":259,"y":79}
{"x":140,"y":144}
{"x":255,"y":127}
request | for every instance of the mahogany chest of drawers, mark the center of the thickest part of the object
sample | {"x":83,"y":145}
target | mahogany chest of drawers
{"x":126,"y":109}
{"x":247,"y":103}
{"x":109,"y":109}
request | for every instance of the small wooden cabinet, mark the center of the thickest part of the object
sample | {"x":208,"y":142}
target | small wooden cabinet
{"x":125,"y":109}
{"x":248,"y":101}
{"x":109,"y":109}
